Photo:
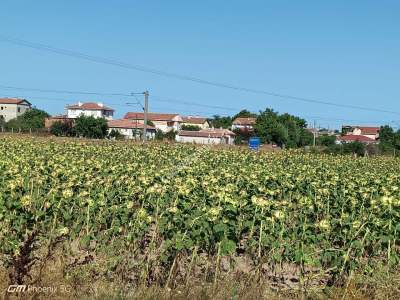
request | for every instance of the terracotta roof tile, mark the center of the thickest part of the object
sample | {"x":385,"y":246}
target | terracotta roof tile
{"x":355,"y":138}
{"x":369,"y":130}
{"x":14,"y":101}
{"x":89,"y":106}
{"x":194,"y":120}
{"x":244,"y":121}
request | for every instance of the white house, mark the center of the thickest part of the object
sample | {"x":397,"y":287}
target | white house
{"x":367,"y":131}
{"x":206,"y":136}
{"x":163,"y":122}
{"x":10,"y":108}
{"x":131,"y":129}
{"x":200,"y":122}
{"x":243,"y":123}
{"x":97,"y":110}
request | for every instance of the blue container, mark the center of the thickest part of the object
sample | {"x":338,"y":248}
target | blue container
{"x":254,"y":143}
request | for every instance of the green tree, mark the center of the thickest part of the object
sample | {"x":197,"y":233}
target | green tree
{"x":357,"y":148}
{"x":306,"y":138}
{"x":31,"y":119}
{"x":2,"y":122}
{"x":170,"y":135}
{"x":269,"y":129}
{"x":115,"y":134}
{"x":91,"y":127}
{"x":159,"y":135}
{"x":242,"y":135}
{"x":354,"y":148}
{"x":387,"y":138}
{"x":190,"y":127}
{"x":326,"y":140}
{"x":285,"y":130}
{"x":244,"y":113}
{"x":59,"y":128}
{"x":220,"y":122}
{"x":396,"y":140}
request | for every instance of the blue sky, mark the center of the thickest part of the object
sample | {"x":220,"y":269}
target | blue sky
{"x":339,"y":51}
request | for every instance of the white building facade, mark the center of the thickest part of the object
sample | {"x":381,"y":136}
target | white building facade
{"x":206,"y":137}
{"x":97,"y":110}
{"x":163,"y":122}
{"x":243,"y":123}
{"x":11,"y":108}
{"x":131,"y":129}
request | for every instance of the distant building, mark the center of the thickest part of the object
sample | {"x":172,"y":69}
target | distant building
{"x":368,"y":131}
{"x":131,"y":129}
{"x":206,"y":136}
{"x":244,"y":123}
{"x":313,"y":131}
{"x":163,"y":122}
{"x":201,"y":122}
{"x":48,"y":122}
{"x":10,"y":108}
{"x":320,"y":132}
{"x":349,"y":138}
{"x":97,"y":110}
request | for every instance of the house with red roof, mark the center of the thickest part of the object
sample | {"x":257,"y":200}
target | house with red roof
{"x":10,"y":108}
{"x":244,"y":123}
{"x":206,"y":136}
{"x":95,"y":109}
{"x":161,"y":121}
{"x":200,"y":122}
{"x":349,"y":138}
{"x":131,"y":129}
{"x":371,"y":132}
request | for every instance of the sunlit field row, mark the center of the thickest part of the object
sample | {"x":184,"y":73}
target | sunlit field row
{"x":171,"y":215}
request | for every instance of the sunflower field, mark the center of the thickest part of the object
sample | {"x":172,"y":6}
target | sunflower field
{"x":162,"y":213}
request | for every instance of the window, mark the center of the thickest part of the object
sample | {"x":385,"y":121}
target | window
{"x":19,"y":109}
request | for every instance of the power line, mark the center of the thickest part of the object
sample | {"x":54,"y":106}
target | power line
{"x":154,"y":99}
{"x":80,"y":55}
{"x":126,"y":104}
{"x":340,"y":119}
{"x":170,"y":100}
{"x":63,"y":91}
{"x":157,"y":99}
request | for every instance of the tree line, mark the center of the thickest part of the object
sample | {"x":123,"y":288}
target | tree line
{"x":34,"y":119}
{"x":284,"y":130}
{"x":290,"y":131}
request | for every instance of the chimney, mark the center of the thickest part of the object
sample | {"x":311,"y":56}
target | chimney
{"x":79,"y":103}
{"x":100,"y":104}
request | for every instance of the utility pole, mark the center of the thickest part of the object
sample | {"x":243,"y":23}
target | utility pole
{"x":314,"y":131}
{"x":136,"y":128}
{"x":146,"y":108}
